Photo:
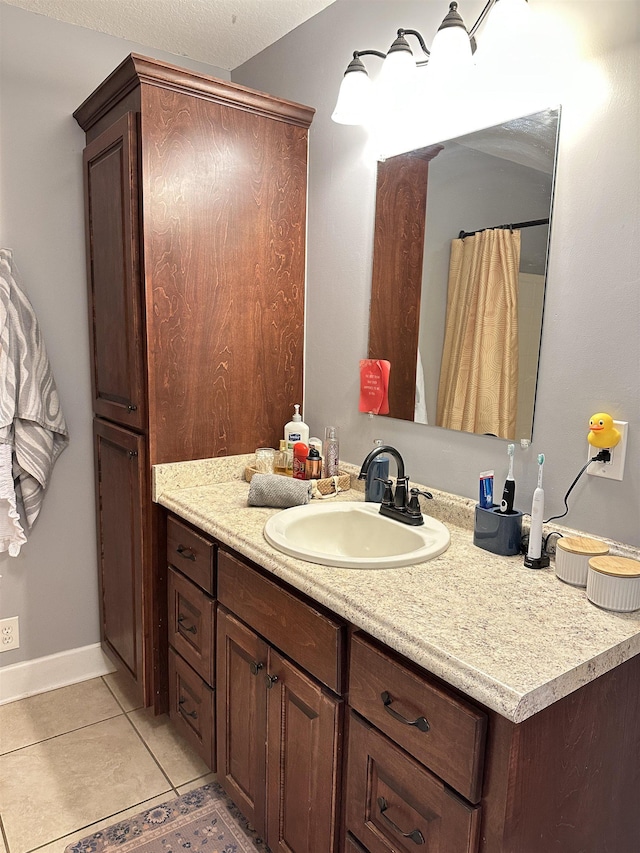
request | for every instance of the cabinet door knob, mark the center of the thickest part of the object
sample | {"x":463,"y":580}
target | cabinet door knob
{"x":270,"y":679}
{"x":420,"y":722}
{"x":415,"y":835}
{"x":190,"y":628}
{"x":133,"y":454}
{"x":255,"y":667}
{"x":132,"y":408}
{"x":187,"y":553}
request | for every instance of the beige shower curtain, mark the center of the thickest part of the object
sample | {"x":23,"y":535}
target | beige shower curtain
{"x":478,"y":390}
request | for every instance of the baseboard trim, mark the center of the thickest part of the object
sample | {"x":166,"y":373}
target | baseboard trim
{"x":48,"y":673}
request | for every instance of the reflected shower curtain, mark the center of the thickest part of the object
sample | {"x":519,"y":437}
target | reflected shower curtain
{"x":478,"y":390}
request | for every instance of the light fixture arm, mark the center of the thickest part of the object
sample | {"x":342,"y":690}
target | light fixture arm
{"x":490,"y":4}
{"x":358,"y":53}
{"x":402,"y":32}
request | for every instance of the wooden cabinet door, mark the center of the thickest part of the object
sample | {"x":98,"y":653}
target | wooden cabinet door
{"x":120,"y":470}
{"x":303,"y":749}
{"x":224,"y":212}
{"x":113,"y":274}
{"x":241,"y":716}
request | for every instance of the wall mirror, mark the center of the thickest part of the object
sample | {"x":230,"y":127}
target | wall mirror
{"x":461,"y":240}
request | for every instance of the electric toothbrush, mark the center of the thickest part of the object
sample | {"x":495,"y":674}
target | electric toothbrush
{"x":534,"y":558}
{"x":509,"y":491}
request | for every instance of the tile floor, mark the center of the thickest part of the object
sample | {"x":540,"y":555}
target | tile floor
{"x":83,"y":757}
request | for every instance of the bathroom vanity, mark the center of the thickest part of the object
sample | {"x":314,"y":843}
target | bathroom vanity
{"x":461,"y":705}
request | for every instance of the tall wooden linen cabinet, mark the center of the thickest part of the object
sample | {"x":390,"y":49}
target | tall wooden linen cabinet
{"x":195,"y":212}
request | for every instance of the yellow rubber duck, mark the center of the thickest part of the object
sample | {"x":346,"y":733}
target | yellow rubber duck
{"x":602,"y":432}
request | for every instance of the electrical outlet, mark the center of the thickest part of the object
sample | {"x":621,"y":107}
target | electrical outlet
{"x":614,"y":469}
{"x":9,"y":634}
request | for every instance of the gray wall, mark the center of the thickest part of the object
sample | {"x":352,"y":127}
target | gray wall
{"x":47,"y":69}
{"x":590,"y":357}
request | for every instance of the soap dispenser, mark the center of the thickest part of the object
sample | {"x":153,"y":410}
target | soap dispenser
{"x":296,"y":430}
{"x":377,"y":474}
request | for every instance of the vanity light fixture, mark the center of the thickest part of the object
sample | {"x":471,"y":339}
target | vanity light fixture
{"x":451,"y":54}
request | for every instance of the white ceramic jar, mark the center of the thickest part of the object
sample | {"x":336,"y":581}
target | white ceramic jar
{"x":573,"y":555}
{"x":614,"y":583}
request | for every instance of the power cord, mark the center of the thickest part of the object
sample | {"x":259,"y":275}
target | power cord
{"x":602,"y":456}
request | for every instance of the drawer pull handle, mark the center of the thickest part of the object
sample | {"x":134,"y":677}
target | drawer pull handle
{"x":255,"y":667}
{"x":415,"y":835}
{"x":270,"y":679}
{"x":190,"y":628}
{"x":187,"y":553}
{"x":420,"y":723}
{"x":181,"y":702}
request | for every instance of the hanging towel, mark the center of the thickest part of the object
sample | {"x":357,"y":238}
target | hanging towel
{"x":31,"y":419}
{"x":12,"y":536}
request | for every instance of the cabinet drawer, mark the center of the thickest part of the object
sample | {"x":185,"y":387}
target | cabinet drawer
{"x":192,"y":554}
{"x":192,"y":624}
{"x":191,"y":708}
{"x":311,"y":638}
{"x":394,"y":805}
{"x":442,"y":731}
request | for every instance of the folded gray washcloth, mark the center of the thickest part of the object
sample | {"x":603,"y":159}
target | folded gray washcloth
{"x":278,"y":491}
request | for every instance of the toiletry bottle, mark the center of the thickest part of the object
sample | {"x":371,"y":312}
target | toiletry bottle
{"x":313,"y":464}
{"x":317,"y":443}
{"x":296,"y":430}
{"x":281,"y":465}
{"x":376,"y":475}
{"x":300,"y":453}
{"x":331,"y":454}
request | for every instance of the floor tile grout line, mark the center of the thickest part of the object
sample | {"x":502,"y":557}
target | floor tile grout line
{"x":62,"y":734}
{"x":150,"y":751}
{"x":115,"y":696}
{"x":89,"y":825}
{"x":3,"y":834}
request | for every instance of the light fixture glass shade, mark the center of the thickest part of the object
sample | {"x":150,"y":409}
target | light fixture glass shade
{"x":398,"y":70}
{"x":451,"y":52}
{"x":506,"y":31}
{"x":511,"y":65}
{"x":354,"y":99}
{"x":395,"y":88}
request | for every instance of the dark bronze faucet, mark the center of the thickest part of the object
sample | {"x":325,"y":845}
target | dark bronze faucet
{"x":396,"y":503}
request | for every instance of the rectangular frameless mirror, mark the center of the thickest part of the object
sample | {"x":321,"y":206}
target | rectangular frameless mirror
{"x":459,"y":267}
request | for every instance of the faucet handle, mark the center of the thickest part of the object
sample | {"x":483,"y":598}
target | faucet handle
{"x":416,"y":492}
{"x":387,"y":498}
{"x":414,"y":503}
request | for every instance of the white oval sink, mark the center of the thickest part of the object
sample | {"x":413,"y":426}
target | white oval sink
{"x":353,"y":534}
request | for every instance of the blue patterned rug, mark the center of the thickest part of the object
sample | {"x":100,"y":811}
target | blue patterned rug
{"x":201,"y":820}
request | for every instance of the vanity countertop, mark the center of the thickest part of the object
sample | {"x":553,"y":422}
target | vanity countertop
{"x":512,"y":638}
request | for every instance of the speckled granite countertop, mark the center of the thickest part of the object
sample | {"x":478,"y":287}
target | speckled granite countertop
{"x":512,"y":638}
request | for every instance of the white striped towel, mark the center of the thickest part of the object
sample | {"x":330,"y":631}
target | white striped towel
{"x":31,"y":419}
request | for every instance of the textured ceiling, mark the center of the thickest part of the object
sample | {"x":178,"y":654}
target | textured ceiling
{"x":224,"y":33}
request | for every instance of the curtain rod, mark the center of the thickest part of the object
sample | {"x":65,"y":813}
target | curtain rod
{"x":530,"y":224}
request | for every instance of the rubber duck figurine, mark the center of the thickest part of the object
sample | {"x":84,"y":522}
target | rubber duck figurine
{"x":602,"y":432}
